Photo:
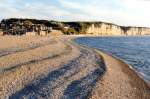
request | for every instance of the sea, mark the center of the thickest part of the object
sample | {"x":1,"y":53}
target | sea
{"x":135,"y":51}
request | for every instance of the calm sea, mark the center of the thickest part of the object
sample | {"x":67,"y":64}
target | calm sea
{"x":133,"y":50}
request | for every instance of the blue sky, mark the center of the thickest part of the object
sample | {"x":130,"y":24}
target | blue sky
{"x":122,"y":12}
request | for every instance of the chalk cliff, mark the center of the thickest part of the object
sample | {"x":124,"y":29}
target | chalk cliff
{"x":94,"y":28}
{"x":116,"y":30}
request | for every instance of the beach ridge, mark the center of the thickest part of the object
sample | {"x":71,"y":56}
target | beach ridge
{"x":64,"y":69}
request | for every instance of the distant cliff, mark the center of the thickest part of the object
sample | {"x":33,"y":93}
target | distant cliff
{"x":93,"y":28}
{"x":112,"y":29}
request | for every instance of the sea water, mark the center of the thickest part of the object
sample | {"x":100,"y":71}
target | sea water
{"x":135,"y":51}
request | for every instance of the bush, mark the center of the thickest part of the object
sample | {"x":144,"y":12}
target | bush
{"x":71,"y":31}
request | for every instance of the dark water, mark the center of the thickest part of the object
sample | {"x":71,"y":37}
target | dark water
{"x":133,"y":50}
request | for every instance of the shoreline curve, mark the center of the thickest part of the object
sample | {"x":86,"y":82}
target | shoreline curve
{"x":140,"y":83}
{"x":121,"y":60}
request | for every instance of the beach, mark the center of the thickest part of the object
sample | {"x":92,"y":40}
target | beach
{"x":119,"y":82}
{"x":42,"y":67}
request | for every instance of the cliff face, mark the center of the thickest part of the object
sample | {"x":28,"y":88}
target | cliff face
{"x":138,"y":31}
{"x":115,"y":30}
{"x":95,"y":28}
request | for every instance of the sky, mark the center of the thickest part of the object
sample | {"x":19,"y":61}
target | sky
{"x":121,"y":12}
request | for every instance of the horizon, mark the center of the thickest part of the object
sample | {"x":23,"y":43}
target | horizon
{"x":119,"y":12}
{"x":80,"y":21}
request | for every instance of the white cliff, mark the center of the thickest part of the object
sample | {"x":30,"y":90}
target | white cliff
{"x":115,"y":30}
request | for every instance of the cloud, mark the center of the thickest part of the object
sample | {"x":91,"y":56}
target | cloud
{"x":122,"y":12}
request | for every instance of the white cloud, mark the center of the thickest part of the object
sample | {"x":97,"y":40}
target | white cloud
{"x":122,"y":12}
{"x":128,"y":12}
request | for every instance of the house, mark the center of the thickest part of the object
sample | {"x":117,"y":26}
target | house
{"x":39,"y":29}
{"x":25,"y":27}
{"x":44,"y":30}
{"x":66,"y":27}
{"x":1,"y":32}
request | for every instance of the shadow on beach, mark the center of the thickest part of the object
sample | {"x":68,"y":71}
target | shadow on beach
{"x":81,"y":89}
{"x":77,"y":88}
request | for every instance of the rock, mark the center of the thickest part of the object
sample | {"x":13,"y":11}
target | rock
{"x":107,"y":29}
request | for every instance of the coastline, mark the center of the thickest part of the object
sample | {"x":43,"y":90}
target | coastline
{"x":121,"y":60}
{"x":128,"y":66}
{"x":129,"y":71}
{"x":132,"y":88}
{"x":77,"y":67}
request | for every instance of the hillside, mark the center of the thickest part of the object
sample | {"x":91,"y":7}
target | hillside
{"x":92,"y":28}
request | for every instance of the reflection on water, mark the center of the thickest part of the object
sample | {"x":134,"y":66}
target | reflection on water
{"x":133,"y":50}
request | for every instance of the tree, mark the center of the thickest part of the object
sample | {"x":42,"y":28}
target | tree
{"x":72,"y":31}
{"x":27,"y":23}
